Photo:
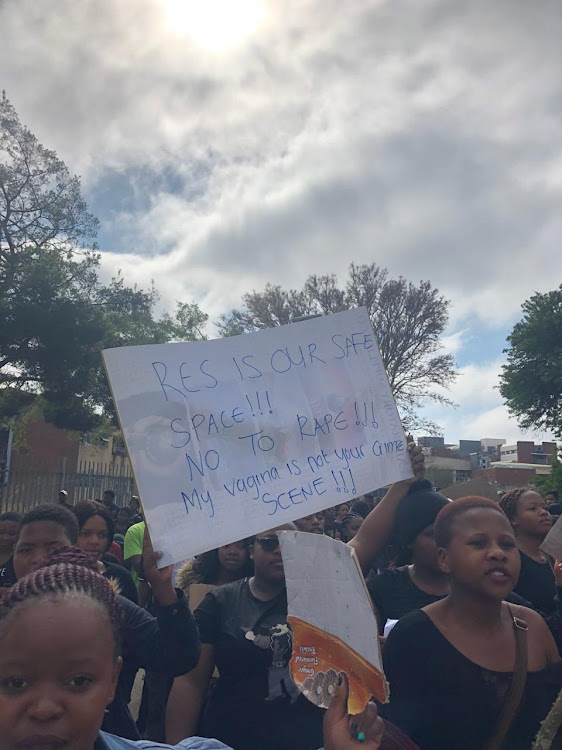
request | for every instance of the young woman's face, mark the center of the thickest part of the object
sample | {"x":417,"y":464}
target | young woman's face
{"x":123,"y":519}
{"x":350,"y":529}
{"x":233,"y":557}
{"x":483,"y":554}
{"x":342,"y":510}
{"x":58,"y":673}
{"x":266,"y":554}
{"x":94,"y":536}
{"x":8,"y":535}
{"x":532,"y":516}
{"x":424,"y":550}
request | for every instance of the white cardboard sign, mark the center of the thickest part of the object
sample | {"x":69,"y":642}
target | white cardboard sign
{"x":327,"y":639}
{"x":234,"y":436}
{"x":552,"y":543}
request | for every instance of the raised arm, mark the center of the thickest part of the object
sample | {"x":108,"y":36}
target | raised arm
{"x":375,"y":531}
{"x":168,"y":642}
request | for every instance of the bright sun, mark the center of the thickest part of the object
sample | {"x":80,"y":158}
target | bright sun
{"x":213,"y":24}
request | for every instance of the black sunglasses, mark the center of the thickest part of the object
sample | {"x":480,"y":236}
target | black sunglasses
{"x":268,"y":543}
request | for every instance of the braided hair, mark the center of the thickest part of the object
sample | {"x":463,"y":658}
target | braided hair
{"x":509,"y":501}
{"x":67,"y":572}
{"x":346,"y":520}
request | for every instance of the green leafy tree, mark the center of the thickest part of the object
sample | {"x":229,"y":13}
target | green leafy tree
{"x":55,"y":314}
{"x":408,"y":321}
{"x":545,"y":483}
{"x":531,"y":381}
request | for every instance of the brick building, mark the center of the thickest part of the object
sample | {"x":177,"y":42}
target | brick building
{"x":528,"y":452}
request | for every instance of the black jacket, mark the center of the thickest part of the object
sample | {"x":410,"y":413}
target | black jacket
{"x":167,"y":643}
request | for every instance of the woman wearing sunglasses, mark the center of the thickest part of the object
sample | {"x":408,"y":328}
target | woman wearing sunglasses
{"x":243,"y":627}
{"x":244,"y":632}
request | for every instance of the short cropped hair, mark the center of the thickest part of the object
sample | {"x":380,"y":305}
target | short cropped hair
{"x":10,"y":516}
{"x":443,"y":529}
{"x":55,"y":513}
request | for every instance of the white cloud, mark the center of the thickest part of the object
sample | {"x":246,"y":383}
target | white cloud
{"x":425,"y":137}
{"x":480,"y":412}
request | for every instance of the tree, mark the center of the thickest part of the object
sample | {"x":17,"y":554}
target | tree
{"x":56,"y":315}
{"x":545,"y":483}
{"x":408,"y":321}
{"x":531,"y":381}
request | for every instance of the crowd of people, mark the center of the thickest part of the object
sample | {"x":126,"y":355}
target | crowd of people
{"x":468,"y":608}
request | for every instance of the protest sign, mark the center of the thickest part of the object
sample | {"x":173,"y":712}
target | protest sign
{"x":238,"y":435}
{"x":552,"y":543}
{"x":333,"y":625}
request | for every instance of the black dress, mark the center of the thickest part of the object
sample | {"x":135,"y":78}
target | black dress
{"x":442,"y":700}
{"x":394,"y":594}
{"x":537,"y":584}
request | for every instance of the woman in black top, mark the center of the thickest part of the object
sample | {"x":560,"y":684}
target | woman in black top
{"x":216,"y":567}
{"x":95,"y":536}
{"x":395,"y":592}
{"x":531,"y":521}
{"x":450,"y":665}
{"x":244,"y":632}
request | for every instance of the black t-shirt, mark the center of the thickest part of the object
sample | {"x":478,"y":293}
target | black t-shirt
{"x":7,"y":574}
{"x":255,"y":704}
{"x":442,"y":700}
{"x":395,"y":594}
{"x":537,"y":584}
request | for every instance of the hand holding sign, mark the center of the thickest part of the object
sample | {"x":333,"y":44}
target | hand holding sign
{"x":160,"y":579}
{"x":344,"y":732}
{"x":329,"y":640}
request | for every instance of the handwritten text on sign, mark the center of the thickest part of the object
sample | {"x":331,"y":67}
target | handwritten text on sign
{"x":234,"y":436}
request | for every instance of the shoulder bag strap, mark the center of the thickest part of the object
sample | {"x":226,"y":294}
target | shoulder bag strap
{"x":513,"y":699}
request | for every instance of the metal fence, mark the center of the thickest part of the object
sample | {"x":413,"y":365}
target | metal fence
{"x":21,"y":490}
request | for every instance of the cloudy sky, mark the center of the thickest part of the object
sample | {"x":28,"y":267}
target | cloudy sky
{"x":227,"y":143}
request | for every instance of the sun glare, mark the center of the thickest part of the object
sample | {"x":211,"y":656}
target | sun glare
{"x":213,"y":24}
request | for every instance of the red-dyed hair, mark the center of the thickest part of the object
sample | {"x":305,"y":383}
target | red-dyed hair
{"x":444,"y":522}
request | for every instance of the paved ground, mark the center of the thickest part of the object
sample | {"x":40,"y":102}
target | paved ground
{"x":136,"y":694}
